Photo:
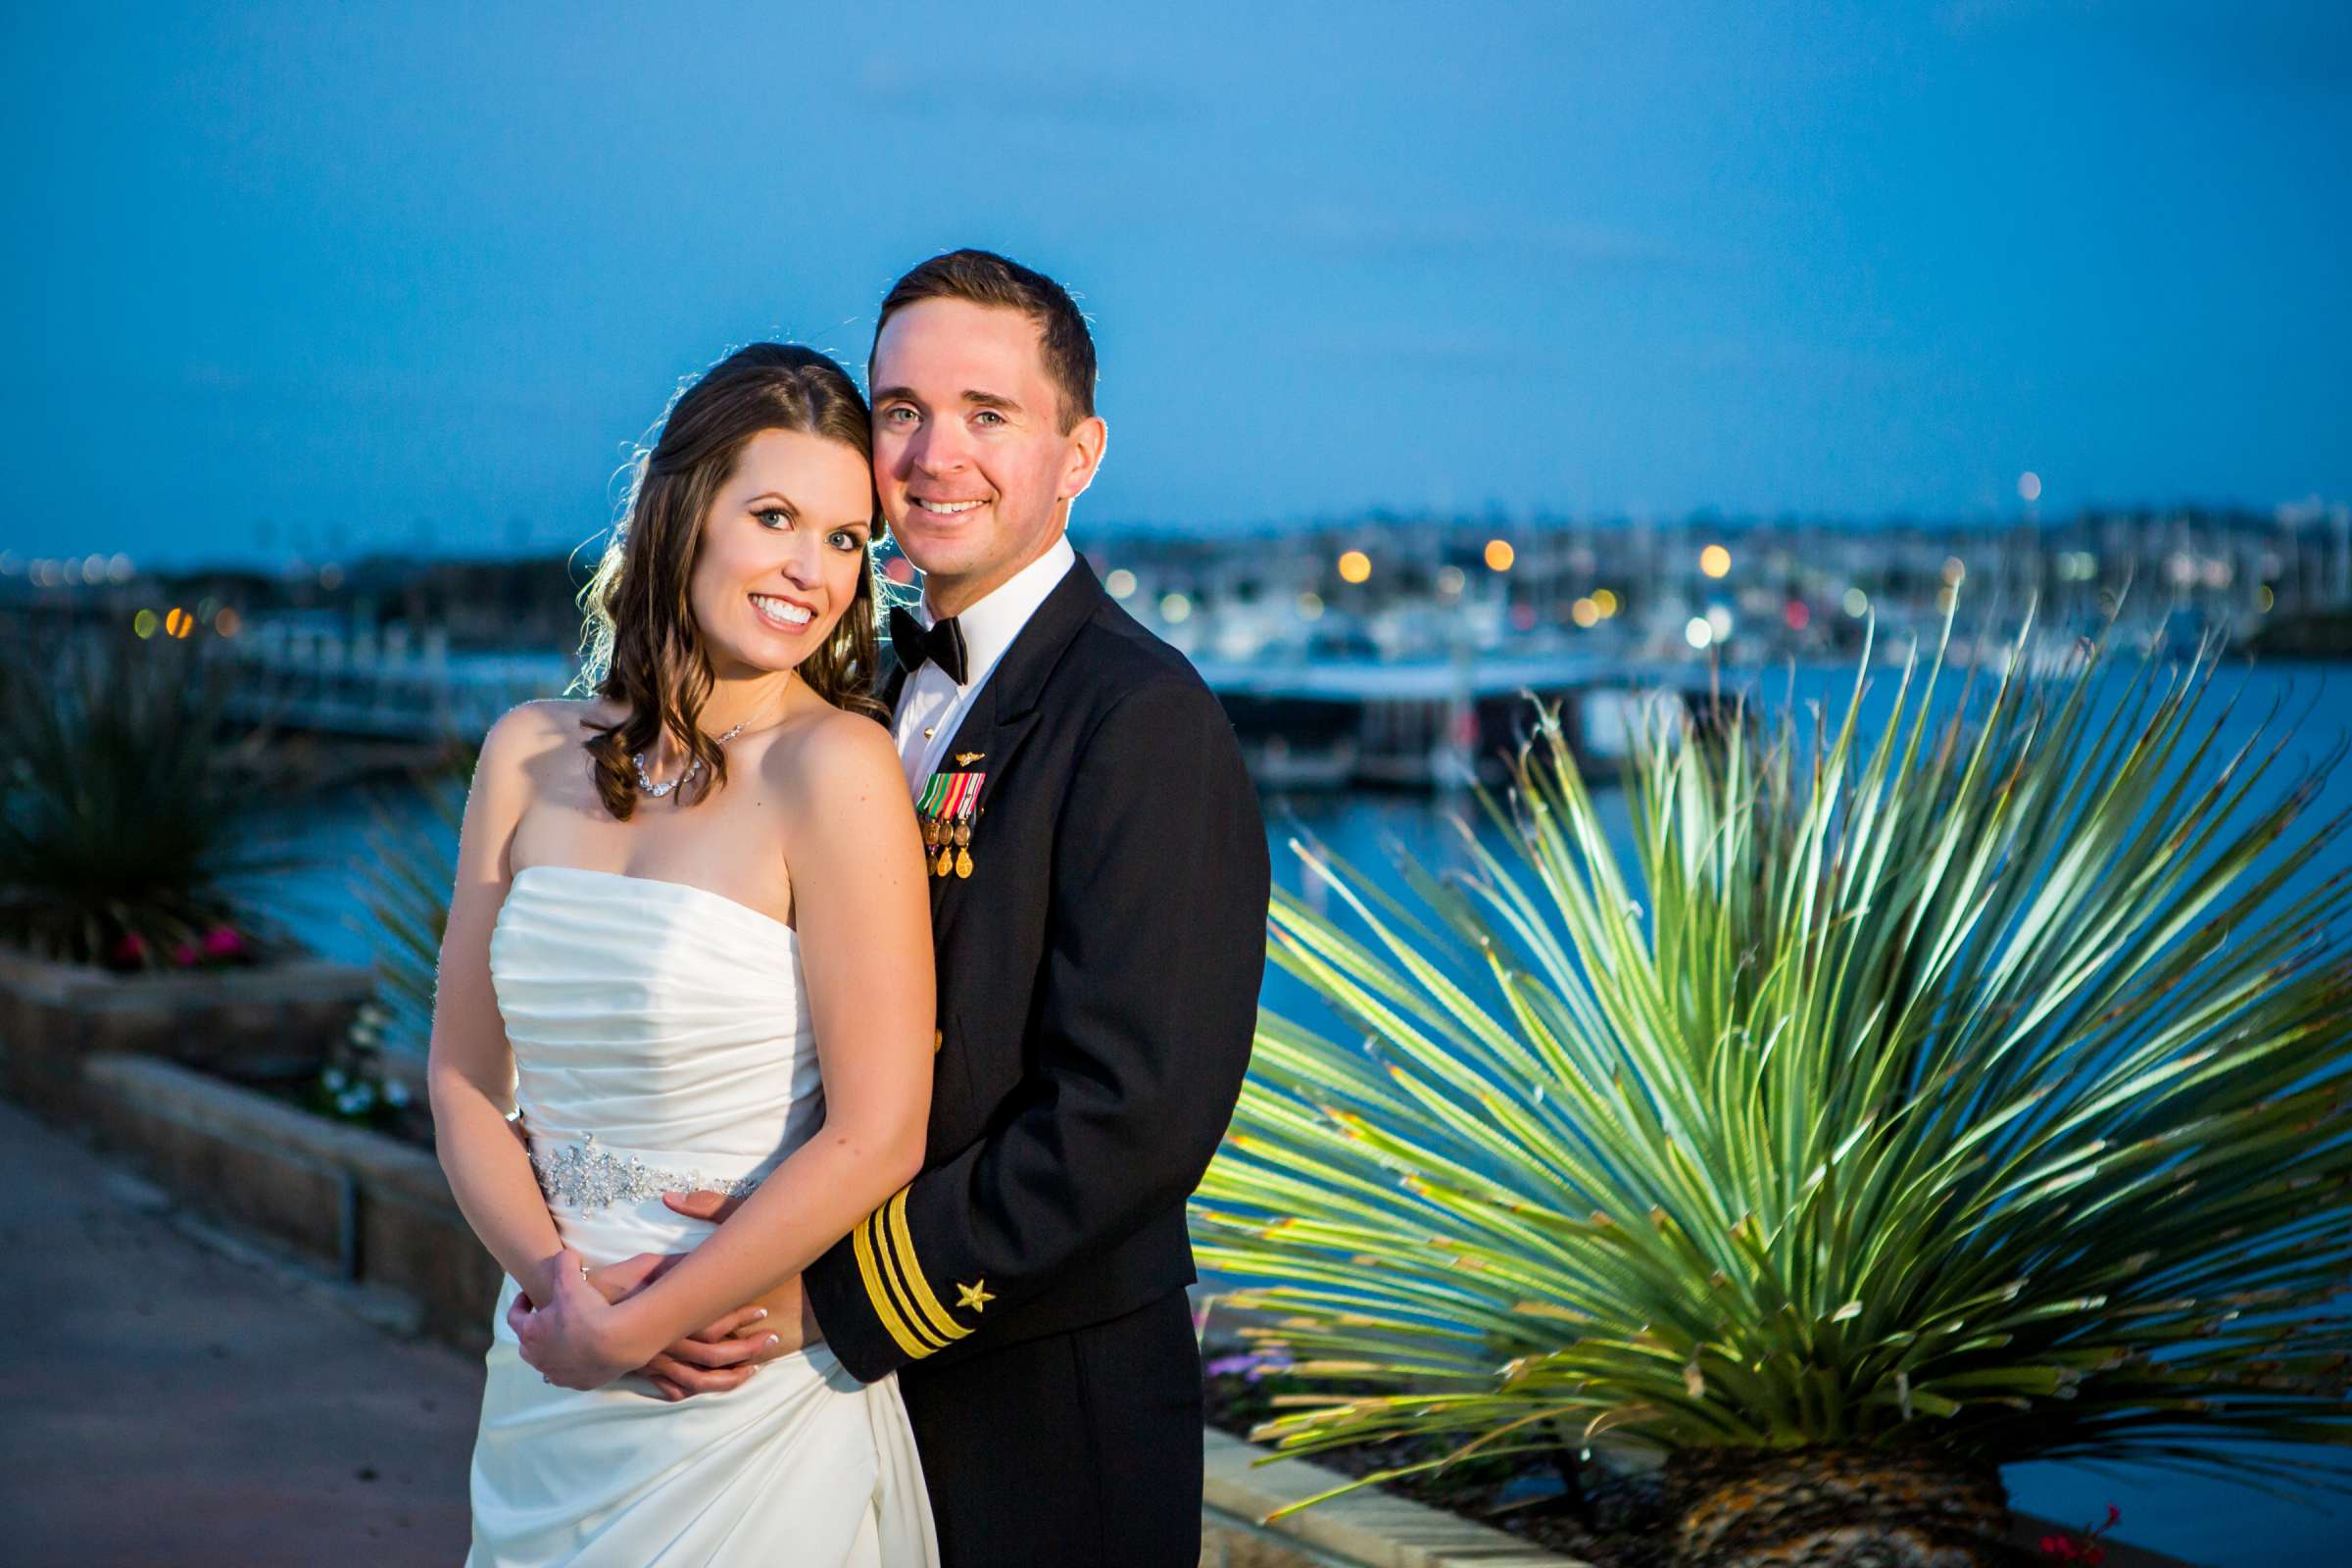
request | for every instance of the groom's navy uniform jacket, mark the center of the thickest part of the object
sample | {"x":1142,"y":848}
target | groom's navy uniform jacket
{"x":1098,"y":980}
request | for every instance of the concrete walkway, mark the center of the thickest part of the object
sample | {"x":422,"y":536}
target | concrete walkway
{"x":171,"y":1397}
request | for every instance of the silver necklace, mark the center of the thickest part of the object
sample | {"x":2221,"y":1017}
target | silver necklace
{"x":694,"y":766}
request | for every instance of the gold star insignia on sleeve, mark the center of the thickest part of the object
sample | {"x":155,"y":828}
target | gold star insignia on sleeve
{"x":974,"y":1296}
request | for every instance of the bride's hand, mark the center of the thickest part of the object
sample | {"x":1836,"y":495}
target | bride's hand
{"x":575,"y":1341}
{"x":709,"y":1362}
{"x":691,"y":1366}
{"x":617,"y":1282}
{"x":717,"y":1358}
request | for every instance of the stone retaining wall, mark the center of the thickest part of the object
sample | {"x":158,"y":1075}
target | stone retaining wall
{"x":1366,"y":1529}
{"x":272,"y":1020}
{"x":375,"y":1210}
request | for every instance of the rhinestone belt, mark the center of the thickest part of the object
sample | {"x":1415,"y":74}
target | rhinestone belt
{"x":587,"y":1177}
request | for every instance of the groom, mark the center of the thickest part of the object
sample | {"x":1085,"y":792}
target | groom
{"x":1098,"y":898}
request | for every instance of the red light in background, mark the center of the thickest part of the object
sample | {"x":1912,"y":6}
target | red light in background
{"x":1796,"y":615}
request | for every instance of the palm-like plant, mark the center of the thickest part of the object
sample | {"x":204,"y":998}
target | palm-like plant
{"x":125,"y":807}
{"x":1966,"y":1096}
{"x":403,"y":883}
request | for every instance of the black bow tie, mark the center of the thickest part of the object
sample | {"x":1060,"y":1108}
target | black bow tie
{"x":942,"y":645}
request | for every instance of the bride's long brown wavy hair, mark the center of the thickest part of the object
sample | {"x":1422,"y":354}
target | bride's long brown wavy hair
{"x":640,"y":645}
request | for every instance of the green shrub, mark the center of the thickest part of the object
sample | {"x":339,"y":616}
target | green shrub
{"x":126,"y":806}
{"x":1975,"y":1094}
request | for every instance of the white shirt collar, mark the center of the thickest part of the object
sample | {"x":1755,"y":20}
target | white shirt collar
{"x":991,"y":625}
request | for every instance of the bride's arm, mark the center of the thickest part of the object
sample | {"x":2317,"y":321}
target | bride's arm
{"x":861,"y":905}
{"x":470,"y":1069}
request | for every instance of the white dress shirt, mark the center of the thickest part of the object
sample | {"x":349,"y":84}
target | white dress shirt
{"x":930,"y":705}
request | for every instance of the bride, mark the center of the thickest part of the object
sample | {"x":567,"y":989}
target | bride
{"x":689,"y":942}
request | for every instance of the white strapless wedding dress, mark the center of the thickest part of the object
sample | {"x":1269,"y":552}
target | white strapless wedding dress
{"x":661,"y":1038}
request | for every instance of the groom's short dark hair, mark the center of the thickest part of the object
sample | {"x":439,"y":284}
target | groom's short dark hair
{"x":986,"y":278}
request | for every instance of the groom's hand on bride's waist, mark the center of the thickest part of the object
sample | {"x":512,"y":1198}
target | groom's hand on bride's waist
{"x":707,"y":1361}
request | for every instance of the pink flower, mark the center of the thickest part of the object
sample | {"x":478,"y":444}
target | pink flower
{"x":2088,"y":1550}
{"x":184,"y":954}
{"x":128,"y":950}
{"x":224,"y":942}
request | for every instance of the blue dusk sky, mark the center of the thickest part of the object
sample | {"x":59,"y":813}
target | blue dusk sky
{"x":331,"y":279}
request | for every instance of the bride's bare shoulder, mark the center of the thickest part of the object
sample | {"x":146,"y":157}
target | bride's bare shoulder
{"x":532,"y":730}
{"x":831,"y":748}
{"x":556,"y":719}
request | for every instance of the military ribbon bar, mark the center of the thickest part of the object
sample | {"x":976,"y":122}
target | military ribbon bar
{"x":949,"y":804}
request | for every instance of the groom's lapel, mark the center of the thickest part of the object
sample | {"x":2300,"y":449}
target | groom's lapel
{"x":990,"y":738}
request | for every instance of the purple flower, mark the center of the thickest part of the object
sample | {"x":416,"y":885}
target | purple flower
{"x":1252,"y":1364}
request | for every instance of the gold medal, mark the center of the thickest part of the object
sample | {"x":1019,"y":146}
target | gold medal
{"x":947,"y":863}
{"x":931,"y":832}
{"x":963,"y":863}
{"x":963,"y":834}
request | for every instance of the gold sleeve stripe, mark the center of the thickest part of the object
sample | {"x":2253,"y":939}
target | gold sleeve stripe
{"x":903,"y":1248}
{"x":898,"y":1293}
{"x":879,"y":1293}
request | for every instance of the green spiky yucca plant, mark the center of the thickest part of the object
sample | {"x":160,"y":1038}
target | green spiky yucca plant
{"x":127,"y":807}
{"x":1967,"y":1096}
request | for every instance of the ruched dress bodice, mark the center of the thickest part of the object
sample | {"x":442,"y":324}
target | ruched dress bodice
{"x":661,"y":1040}
{"x":650,"y":1021}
